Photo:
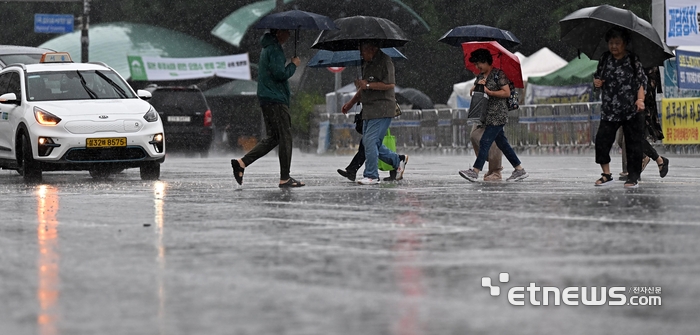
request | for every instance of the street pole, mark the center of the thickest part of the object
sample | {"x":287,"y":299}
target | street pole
{"x":278,"y":5}
{"x":338,"y":95}
{"x":84,"y":39}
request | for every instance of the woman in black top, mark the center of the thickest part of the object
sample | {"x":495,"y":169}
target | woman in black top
{"x":621,"y":77}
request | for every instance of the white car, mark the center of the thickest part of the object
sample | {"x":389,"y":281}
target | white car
{"x":58,"y":115}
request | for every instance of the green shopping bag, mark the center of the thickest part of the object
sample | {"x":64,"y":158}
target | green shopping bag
{"x":389,"y":142}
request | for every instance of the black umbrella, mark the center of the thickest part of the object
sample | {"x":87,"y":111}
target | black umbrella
{"x":585,"y":29}
{"x":479,"y":33}
{"x":356,"y":29}
{"x":295,"y":20}
{"x":325,"y":58}
{"x":418,"y":99}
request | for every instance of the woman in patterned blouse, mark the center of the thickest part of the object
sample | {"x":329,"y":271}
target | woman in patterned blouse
{"x":621,"y":77}
{"x":496,"y":87}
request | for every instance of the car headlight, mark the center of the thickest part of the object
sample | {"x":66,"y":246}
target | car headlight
{"x":151,"y":115}
{"x":45,"y":118}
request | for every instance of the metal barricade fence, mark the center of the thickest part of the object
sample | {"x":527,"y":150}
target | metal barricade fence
{"x":406,"y":128}
{"x":564,"y":125}
{"x":428,"y":128}
{"x":343,"y":134}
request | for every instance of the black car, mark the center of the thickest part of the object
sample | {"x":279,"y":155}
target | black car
{"x":11,"y":54}
{"x":186,"y":116}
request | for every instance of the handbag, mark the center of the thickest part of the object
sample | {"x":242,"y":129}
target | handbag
{"x":397,"y":111}
{"x":479,"y":103}
{"x":358,"y":122}
{"x":389,"y":141}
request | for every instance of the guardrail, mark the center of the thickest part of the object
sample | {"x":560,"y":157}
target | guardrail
{"x":567,"y":127}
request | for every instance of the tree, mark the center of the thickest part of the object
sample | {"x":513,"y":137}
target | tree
{"x":432,"y":67}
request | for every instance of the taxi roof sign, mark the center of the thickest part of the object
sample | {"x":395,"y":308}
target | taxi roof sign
{"x":56,"y":57}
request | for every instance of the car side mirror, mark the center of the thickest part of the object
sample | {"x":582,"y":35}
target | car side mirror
{"x":143,"y":94}
{"x":9,"y":99}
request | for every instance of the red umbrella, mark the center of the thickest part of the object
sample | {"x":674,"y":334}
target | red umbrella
{"x":502,"y":59}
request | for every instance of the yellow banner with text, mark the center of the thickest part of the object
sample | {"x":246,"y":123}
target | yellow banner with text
{"x":681,"y":120}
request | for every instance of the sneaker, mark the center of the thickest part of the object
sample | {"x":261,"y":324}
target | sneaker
{"x":403,"y":159}
{"x":392,"y":176}
{"x":347,"y":174}
{"x":470,"y":175}
{"x":663,"y":168}
{"x":494,"y":175}
{"x":518,"y":175}
{"x":368,"y":181}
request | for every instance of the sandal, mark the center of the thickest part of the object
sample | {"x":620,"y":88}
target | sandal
{"x":237,"y":171}
{"x":663,"y":167}
{"x":605,"y":180}
{"x":292,"y":183}
{"x":631,"y":184}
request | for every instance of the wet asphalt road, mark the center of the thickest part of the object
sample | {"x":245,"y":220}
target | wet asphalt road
{"x":195,"y":254}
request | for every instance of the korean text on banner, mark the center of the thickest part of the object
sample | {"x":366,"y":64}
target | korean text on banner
{"x":682,"y":22}
{"x":688,"y":69}
{"x":538,"y":94}
{"x":681,"y":120}
{"x":146,"y":68}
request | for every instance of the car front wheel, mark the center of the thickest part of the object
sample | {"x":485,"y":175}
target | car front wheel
{"x":150,"y":171}
{"x":30,"y":169}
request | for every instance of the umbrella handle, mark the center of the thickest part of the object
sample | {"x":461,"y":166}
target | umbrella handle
{"x":296,"y":39}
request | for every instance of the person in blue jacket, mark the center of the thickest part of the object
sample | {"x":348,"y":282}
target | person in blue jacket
{"x":273,"y":95}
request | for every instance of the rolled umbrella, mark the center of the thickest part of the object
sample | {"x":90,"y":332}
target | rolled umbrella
{"x":357,"y":29}
{"x":585,"y":29}
{"x":325,"y":58}
{"x":479,"y":33}
{"x":296,"y":20}
{"x":502,"y":59}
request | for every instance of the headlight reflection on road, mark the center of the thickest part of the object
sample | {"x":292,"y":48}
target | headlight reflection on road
{"x":159,"y":188}
{"x":48,"y":261}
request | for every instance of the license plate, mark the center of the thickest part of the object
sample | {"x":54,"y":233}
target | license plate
{"x":178,"y":119}
{"x":106,"y":142}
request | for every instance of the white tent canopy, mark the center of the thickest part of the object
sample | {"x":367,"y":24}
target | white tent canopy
{"x":541,"y":63}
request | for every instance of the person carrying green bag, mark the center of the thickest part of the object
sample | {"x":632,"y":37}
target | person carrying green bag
{"x":376,"y":92}
{"x":358,"y":160}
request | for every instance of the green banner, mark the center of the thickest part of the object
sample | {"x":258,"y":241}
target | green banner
{"x":138,"y":70}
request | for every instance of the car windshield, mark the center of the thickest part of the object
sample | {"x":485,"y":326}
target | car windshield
{"x":76,"y":85}
{"x":24,"y":59}
{"x":182,"y":98}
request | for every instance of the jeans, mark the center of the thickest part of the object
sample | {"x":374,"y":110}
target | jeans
{"x":495,"y":134}
{"x":373,"y":134}
{"x":278,"y":126}
{"x":495,"y":156}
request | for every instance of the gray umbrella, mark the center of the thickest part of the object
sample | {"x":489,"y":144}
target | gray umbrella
{"x":418,"y":99}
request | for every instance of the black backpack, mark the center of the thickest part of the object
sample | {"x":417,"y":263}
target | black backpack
{"x":514,"y":96}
